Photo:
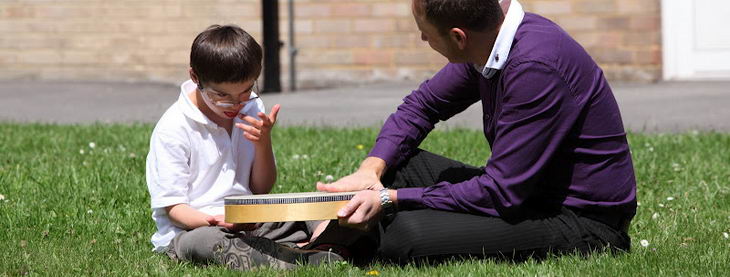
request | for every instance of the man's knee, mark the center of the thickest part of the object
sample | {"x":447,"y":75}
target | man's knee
{"x":404,"y":237}
{"x":198,"y":244}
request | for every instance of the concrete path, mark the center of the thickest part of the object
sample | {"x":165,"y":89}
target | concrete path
{"x":662,"y":107}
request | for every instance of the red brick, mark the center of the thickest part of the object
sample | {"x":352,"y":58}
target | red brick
{"x":398,"y":40}
{"x":372,"y":56}
{"x":374,"y":25}
{"x":596,"y":6}
{"x":412,"y":58}
{"x":407,"y":25}
{"x":645,"y":23}
{"x":305,"y":10}
{"x":315,"y":41}
{"x":571,"y":23}
{"x":638,"y":6}
{"x":332,"y":26}
{"x":614,"y":23}
{"x":649,"y":38}
{"x":352,"y":41}
{"x":552,"y":7}
{"x":611,"y":55}
{"x":351,"y":9}
{"x":653,"y":56}
{"x":18,"y":11}
{"x":400,"y":9}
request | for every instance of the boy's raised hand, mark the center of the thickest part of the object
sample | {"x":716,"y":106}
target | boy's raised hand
{"x":258,"y":131}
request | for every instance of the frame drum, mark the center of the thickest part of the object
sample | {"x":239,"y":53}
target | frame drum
{"x":285,"y":206}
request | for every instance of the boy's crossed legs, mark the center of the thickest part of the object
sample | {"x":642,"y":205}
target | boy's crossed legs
{"x":271,"y":245}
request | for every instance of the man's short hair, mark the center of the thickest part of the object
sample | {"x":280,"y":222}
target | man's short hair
{"x":225,"y":54}
{"x":474,"y":15}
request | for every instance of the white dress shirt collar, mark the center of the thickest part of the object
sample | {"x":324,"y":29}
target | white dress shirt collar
{"x":503,"y":43}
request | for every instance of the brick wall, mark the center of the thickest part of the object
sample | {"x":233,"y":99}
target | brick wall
{"x":623,"y":36}
{"x":122,"y":40}
{"x":339,"y":41}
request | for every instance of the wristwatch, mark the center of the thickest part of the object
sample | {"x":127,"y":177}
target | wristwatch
{"x":385,"y":202}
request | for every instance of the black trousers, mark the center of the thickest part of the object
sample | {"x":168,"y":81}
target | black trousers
{"x":433,"y":235}
{"x":429,"y":236}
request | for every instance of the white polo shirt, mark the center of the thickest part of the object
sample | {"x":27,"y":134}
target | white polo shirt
{"x":194,"y":161}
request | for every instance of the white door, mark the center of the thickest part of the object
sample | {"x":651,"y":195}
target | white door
{"x":696,"y":39}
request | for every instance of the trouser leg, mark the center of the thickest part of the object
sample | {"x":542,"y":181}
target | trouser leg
{"x":425,"y":169}
{"x":433,"y":235}
{"x":198,"y":245}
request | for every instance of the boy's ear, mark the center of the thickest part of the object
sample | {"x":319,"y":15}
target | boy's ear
{"x":193,"y":76}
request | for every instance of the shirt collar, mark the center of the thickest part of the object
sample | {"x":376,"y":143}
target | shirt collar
{"x":188,"y":108}
{"x":503,"y":43}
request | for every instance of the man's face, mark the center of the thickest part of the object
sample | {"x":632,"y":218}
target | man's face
{"x":438,"y":41}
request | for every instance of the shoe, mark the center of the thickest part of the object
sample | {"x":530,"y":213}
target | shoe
{"x":246,"y":253}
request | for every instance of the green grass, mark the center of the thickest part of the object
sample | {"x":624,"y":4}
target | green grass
{"x":68,"y":213}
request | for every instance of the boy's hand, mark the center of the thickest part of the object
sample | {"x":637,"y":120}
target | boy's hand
{"x":259,"y":130}
{"x":219,"y":220}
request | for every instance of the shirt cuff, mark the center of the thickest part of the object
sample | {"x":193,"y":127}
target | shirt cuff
{"x":387,"y":151}
{"x":410,"y":198}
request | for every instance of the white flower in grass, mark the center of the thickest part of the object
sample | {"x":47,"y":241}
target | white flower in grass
{"x":81,"y":151}
{"x":329,"y":178}
{"x":90,"y":211}
{"x":296,"y":156}
{"x":655,"y":216}
{"x":132,"y":155}
{"x":661,"y":205}
{"x":725,"y":235}
{"x":670,"y":198}
{"x":651,"y":149}
{"x":2,"y":197}
{"x":644,"y":243}
{"x":676,"y":167}
{"x":92,"y":145}
{"x":305,"y":156}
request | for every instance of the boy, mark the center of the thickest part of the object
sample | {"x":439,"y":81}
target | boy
{"x":214,"y":142}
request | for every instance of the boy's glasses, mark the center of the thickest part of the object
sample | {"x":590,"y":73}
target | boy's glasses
{"x":225,"y":100}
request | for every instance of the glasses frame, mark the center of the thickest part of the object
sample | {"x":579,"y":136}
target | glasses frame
{"x":227,"y":104}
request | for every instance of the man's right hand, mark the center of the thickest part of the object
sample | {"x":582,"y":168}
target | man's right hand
{"x":367,"y":177}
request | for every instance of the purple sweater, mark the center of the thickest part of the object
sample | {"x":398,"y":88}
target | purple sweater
{"x":551,"y":121}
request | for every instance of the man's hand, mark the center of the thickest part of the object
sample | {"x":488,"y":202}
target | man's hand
{"x":360,"y":180}
{"x":365,"y":178}
{"x":258,"y":131}
{"x":362,"y":211}
{"x":219,"y":220}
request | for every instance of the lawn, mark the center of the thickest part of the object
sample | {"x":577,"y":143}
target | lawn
{"x":74,"y":202}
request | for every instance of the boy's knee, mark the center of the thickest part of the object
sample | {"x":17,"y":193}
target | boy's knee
{"x":197,"y":245}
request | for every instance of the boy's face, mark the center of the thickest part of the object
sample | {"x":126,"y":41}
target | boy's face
{"x":226,"y":99}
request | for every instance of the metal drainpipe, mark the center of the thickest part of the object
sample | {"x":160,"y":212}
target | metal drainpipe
{"x":292,"y":50}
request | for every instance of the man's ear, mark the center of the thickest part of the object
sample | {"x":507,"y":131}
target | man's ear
{"x":193,"y":76}
{"x":458,"y":36}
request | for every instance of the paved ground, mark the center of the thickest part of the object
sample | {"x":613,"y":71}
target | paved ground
{"x":662,"y":107}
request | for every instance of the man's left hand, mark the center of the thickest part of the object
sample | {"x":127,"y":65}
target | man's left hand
{"x":362,"y":211}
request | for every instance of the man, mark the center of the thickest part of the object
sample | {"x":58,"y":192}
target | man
{"x":560,"y":178}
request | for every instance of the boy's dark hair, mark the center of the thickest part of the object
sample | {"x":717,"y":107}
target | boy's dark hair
{"x":225,"y":54}
{"x":474,"y":15}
